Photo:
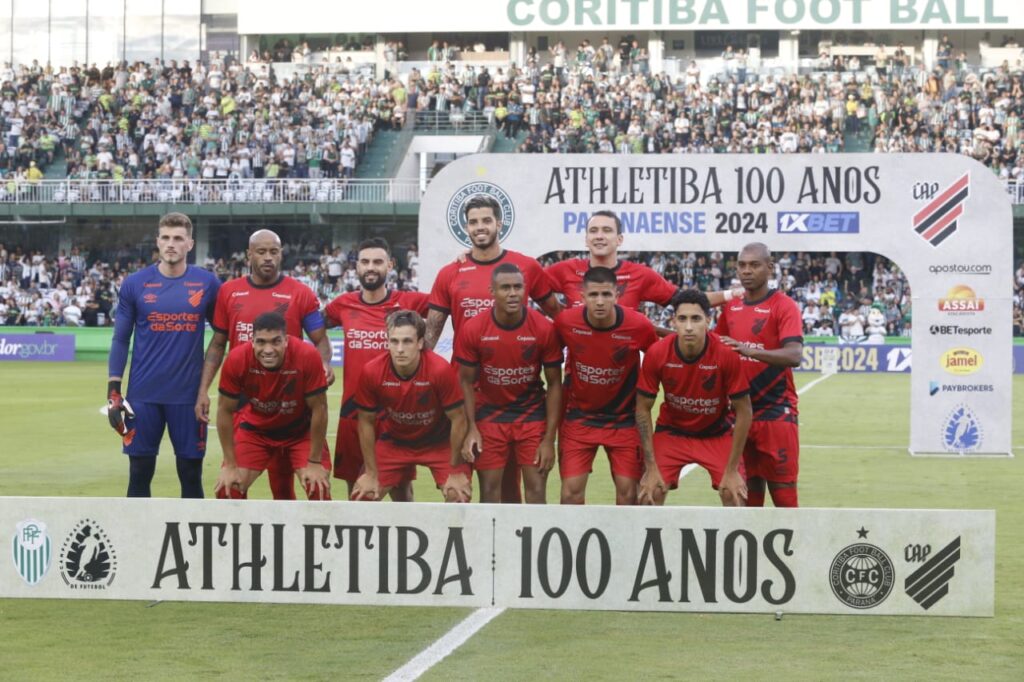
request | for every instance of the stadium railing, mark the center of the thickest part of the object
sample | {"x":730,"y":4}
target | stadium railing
{"x":454,"y":122}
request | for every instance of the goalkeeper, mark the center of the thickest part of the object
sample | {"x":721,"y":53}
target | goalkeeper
{"x":165,"y":307}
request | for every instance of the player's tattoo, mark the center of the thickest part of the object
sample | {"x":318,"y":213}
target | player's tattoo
{"x":646,"y":429}
{"x":435,"y":323}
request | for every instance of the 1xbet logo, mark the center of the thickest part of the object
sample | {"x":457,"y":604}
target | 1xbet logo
{"x":819,"y":222}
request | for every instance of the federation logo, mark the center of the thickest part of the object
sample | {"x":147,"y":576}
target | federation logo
{"x":861,"y":575}
{"x":961,"y":299}
{"x":31,"y":551}
{"x":930,"y":583}
{"x":456,"y":213}
{"x":961,"y":361}
{"x":962,"y":433}
{"x":938,"y":220}
{"x":87,"y":559}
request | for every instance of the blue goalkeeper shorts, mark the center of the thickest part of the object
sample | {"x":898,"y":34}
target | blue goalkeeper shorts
{"x":188,"y":434}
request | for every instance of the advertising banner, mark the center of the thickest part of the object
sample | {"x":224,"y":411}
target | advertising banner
{"x":37,"y":347}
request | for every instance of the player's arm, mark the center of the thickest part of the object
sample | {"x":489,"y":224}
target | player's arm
{"x":435,"y":323}
{"x":551,"y":306}
{"x":553,"y":405}
{"x":732,"y":488}
{"x":367,"y":487}
{"x":717,"y":298}
{"x":473,"y":442}
{"x":211,"y":363}
{"x":651,"y":483}
{"x":323,"y":345}
{"x":313,"y":476}
{"x":229,"y":476}
{"x":790,"y":355}
{"x":459,"y":482}
{"x":124,"y":326}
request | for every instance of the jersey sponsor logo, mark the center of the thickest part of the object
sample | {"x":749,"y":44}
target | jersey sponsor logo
{"x":195,"y":297}
{"x":456,"y":213}
{"x":490,"y":338}
{"x":392,"y":384}
{"x":582,"y":332}
{"x":762,"y":310}
{"x":87,"y":558}
{"x":622,"y":337}
{"x":149,"y":298}
{"x":273,"y":407}
{"x":599,"y":376}
{"x":962,"y":432}
{"x":469,"y":268}
{"x":471,"y":307}
{"x":193,"y":284}
{"x":31,"y":551}
{"x":526,"y":338}
{"x":274,"y":294}
{"x":961,"y":361}
{"x":236,"y":294}
{"x":938,"y":219}
{"x":412,"y":418}
{"x":703,"y":406}
{"x":736,"y":308}
{"x":173,"y":322}
{"x":153,"y":285}
{"x":819,"y":222}
{"x":861,"y":575}
{"x":961,"y":299}
{"x":510,"y":376}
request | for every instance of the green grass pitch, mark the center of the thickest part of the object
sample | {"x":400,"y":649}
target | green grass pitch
{"x":854,"y":430}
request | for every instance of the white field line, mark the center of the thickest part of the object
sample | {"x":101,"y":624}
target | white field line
{"x":439,"y":650}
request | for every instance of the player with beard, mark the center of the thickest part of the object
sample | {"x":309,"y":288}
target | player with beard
{"x":362,"y":315}
{"x":463,"y":289}
{"x":604,"y":341}
{"x":766,"y":330}
{"x":239,"y":303}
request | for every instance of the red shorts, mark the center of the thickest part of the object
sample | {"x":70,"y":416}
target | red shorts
{"x":348,"y":456}
{"x":673,"y":451}
{"x":255,"y":450}
{"x":502,"y":441}
{"x":773,"y":451}
{"x":397,"y":463}
{"x":578,"y":444}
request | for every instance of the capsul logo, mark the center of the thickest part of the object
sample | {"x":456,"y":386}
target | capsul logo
{"x":456,"y":213}
{"x":961,"y":361}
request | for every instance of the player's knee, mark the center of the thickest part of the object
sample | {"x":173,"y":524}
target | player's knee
{"x":190,"y":476}
{"x":401,"y":492}
{"x":756,"y":484}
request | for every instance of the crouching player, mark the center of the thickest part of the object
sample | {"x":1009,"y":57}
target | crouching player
{"x":422,"y":421}
{"x":701,"y":377}
{"x":286,"y":413}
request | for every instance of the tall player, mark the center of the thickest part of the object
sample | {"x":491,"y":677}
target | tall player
{"x":503,"y":353}
{"x":604,"y":341}
{"x":702,"y":377}
{"x":285,"y":413}
{"x":766,"y":330}
{"x":463,"y":289}
{"x":416,"y":394}
{"x":165,"y":307}
{"x":239,"y":303}
{"x":361,"y":314}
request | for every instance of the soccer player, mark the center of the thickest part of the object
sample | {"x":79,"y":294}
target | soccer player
{"x":463,"y":289}
{"x":239,"y":303}
{"x":637,"y":283}
{"x":361,"y":314}
{"x":702,"y":377}
{"x":416,"y":394}
{"x":285,"y":413}
{"x":165,"y":307}
{"x":503,"y":353}
{"x":766,"y":330}
{"x":604,"y":341}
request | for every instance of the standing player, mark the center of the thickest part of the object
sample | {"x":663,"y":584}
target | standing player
{"x":463,"y":289}
{"x":766,"y":330}
{"x":361,"y":314}
{"x":604,"y":341}
{"x":239,"y":303}
{"x":285,"y":413}
{"x":503,"y":353}
{"x":701,"y":377}
{"x":166,"y":307}
{"x":422,"y":422}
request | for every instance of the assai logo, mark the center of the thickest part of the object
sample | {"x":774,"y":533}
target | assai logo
{"x":861,"y":575}
{"x":961,"y":299}
{"x":31,"y":550}
{"x":87,"y":559}
{"x":456,"y":213}
{"x":930,"y":582}
{"x":937,"y":220}
{"x":961,"y":361}
{"x":962,"y":432}
{"x":819,"y":222}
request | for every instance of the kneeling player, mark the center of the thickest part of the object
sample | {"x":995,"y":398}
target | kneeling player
{"x":422,"y":420}
{"x":701,"y":377}
{"x":286,"y":413}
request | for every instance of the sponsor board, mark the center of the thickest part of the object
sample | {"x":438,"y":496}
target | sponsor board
{"x":869,"y":358}
{"x":37,"y":347}
{"x":818,"y":222}
{"x":839,"y":561}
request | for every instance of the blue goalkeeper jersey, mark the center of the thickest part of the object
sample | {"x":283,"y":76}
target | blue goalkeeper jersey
{"x":168,"y":317}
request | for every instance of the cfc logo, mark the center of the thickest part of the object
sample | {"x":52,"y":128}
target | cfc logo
{"x":861,"y":575}
{"x":456,"y":214}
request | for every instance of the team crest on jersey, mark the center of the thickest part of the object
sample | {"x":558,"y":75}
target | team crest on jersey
{"x":530,"y":352}
{"x":487,"y":353}
{"x":758,"y":325}
{"x":31,"y":550}
{"x":620,"y":353}
{"x":290,"y":386}
{"x":281,"y":308}
{"x":424,"y":398}
{"x":87,"y":559}
{"x":709,"y":382}
{"x":195,"y":297}
{"x":456,"y":213}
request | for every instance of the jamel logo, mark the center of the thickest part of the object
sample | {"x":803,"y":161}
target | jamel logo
{"x":937,"y":221}
{"x":962,"y":361}
{"x":87,"y":560}
{"x":961,"y":299}
{"x":31,"y":551}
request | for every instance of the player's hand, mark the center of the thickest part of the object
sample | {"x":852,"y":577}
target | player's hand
{"x":458,"y":488}
{"x":545,"y":458}
{"x":738,"y":293}
{"x":367,"y":487}
{"x":732,"y":489}
{"x":118,"y":410}
{"x":737,"y":346}
{"x":652,"y":486}
{"x":203,"y":408}
{"x":229,"y":478}
{"x":329,"y":373}
{"x":315,"y":480}
{"x":472,"y":446}
{"x":463,"y":256}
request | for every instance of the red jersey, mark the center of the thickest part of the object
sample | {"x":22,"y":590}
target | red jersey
{"x":768,"y":324}
{"x":413,"y":408}
{"x":603,"y":366}
{"x":366,"y":336}
{"x":276,"y":398}
{"x":241,"y":301}
{"x":464,"y":289}
{"x":637,"y":284}
{"x":509,"y":388}
{"x":697,"y":392}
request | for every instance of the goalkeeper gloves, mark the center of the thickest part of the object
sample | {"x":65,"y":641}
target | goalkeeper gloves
{"x":118,"y":410}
